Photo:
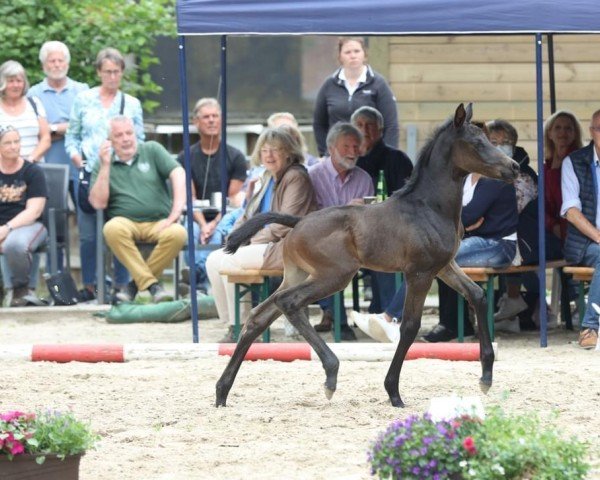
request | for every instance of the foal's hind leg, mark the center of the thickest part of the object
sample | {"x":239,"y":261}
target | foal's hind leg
{"x":260,"y":318}
{"x":455,"y":278}
{"x":417,"y":287}
{"x":292,"y":302}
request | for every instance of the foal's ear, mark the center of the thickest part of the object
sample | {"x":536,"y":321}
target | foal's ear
{"x":469,"y":112}
{"x":459,"y":116}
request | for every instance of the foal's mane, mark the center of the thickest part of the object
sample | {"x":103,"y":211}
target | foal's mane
{"x":423,"y":159}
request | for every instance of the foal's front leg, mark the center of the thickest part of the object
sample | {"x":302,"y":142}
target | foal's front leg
{"x":456,"y":279}
{"x":416,"y":292}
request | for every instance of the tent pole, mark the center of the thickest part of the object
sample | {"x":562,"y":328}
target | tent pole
{"x":188,"y":187}
{"x":541,"y":212}
{"x":223,"y":99}
{"x":551,"y":79}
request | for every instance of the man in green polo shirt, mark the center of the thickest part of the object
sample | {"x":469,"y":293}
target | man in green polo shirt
{"x":130,"y":183}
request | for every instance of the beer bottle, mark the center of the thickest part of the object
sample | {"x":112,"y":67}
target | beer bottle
{"x":381,"y":188}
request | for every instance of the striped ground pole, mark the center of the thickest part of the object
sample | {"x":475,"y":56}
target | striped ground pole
{"x":283,"y":352}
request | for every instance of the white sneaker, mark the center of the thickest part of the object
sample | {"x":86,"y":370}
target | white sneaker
{"x":508,"y":307}
{"x":384,"y":331}
{"x":508,"y":325}
{"x":361,"y":321}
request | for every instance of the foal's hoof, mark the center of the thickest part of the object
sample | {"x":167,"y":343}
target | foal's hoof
{"x":397,"y":402}
{"x":329,"y":392}
{"x":221,"y":396}
{"x":485,"y":383}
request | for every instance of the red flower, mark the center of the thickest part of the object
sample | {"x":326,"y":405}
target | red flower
{"x":469,"y":445}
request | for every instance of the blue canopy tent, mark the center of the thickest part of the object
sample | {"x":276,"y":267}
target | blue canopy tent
{"x":385,"y":17}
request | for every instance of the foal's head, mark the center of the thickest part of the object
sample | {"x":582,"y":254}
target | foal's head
{"x":473,"y":152}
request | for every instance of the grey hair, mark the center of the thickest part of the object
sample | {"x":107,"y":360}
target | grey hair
{"x":12,"y":68}
{"x":368,"y":113}
{"x":277,"y":115}
{"x":111,"y":54}
{"x":282,"y":139}
{"x":342,"y":129}
{"x":8,"y":128}
{"x":500,"y":125}
{"x":119,"y":119}
{"x":54,"y":46}
{"x":206,"y":102}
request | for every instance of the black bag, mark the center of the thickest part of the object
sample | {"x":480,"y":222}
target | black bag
{"x":83,"y":191}
{"x":62,"y":288}
{"x":85,"y":177}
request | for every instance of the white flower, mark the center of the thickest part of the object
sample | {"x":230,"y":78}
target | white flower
{"x":522,"y":441}
{"x":463,"y":463}
{"x":498,"y":468}
{"x":472,"y":472}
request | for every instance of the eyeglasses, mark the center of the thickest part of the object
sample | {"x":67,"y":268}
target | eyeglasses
{"x":267,"y":151}
{"x":111,"y":73}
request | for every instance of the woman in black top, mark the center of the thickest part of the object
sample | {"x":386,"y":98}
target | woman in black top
{"x":352,"y":86}
{"x":22,"y":199}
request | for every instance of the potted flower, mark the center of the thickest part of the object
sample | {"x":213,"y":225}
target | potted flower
{"x":45,"y":445}
{"x":468,"y":447}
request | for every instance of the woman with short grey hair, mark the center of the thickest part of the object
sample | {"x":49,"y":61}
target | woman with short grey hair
{"x":27,"y":115}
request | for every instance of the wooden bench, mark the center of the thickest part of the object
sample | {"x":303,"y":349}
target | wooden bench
{"x":582,"y":275}
{"x":487,"y":275}
{"x":247,"y":281}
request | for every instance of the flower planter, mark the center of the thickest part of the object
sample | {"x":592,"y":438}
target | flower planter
{"x":24,"y":467}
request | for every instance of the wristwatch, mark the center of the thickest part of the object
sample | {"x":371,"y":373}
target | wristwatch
{"x":53,"y":128}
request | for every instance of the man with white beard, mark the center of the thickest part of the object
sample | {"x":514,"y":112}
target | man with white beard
{"x":338,"y":181}
{"x":57,"y":92}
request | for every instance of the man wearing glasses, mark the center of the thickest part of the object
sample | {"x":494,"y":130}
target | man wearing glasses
{"x":579,"y":181}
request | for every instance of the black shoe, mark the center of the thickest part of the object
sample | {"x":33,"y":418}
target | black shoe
{"x":326,"y":322}
{"x":347,"y":334}
{"x":126,"y":294}
{"x":440,"y":334}
{"x":86,"y":295}
{"x":159,"y":294}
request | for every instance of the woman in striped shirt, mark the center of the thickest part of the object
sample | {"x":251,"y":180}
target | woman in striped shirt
{"x":26,"y":115}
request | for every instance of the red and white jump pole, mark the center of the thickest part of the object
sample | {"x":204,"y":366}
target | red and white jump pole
{"x":282,"y":352}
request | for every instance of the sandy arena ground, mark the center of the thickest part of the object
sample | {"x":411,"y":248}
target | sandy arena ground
{"x":157,"y":418}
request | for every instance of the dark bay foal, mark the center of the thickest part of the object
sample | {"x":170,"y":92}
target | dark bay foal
{"x":416,"y":231}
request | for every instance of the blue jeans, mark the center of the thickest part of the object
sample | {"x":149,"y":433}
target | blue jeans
{"x":591,"y":258}
{"x":19,"y":265}
{"x":472,"y":252}
{"x":87,"y":252}
{"x":326,"y":304}
{"x":223,"y":229}
{"x":383,"y":286}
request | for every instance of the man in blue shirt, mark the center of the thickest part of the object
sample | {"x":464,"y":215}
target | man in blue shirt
{"x":57,"y":92}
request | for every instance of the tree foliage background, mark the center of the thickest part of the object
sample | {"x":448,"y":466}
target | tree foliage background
{"x":87,"y":26}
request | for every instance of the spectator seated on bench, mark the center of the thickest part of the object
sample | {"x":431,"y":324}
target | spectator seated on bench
{"x":286,"y":188}
{"x":338,"y":181}
{"x":581,"y":207}
{"x":23,"y":196}
{"x":130,"y":182}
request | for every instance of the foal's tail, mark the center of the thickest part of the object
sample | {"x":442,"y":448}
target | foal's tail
{"x":243,"y":234}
